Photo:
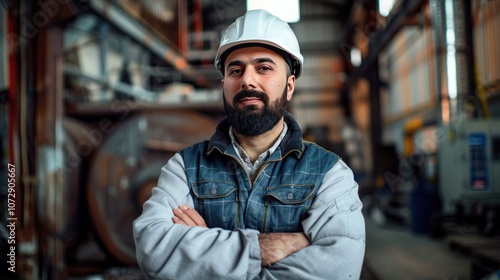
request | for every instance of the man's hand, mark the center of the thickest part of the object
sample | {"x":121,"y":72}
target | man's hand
{"x":277,"y":246}
{"x":185,"y":215}
{"x":273,"y":246}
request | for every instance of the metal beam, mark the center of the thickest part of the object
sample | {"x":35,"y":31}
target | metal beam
{"x":383,"y":38}
{"x":346,"y":36}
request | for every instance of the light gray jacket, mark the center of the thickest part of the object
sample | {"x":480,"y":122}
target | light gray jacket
{"x":334,"y":225}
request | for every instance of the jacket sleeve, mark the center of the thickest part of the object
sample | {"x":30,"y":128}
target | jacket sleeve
{"x":336,"y":228}
{"x":165,"y":250}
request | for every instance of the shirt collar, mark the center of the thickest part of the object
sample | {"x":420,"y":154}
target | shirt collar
{"x":243,"y":155}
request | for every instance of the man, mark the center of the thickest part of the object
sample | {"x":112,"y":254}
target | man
{"x":255,"y":201}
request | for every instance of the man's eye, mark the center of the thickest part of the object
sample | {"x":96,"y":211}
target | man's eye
{"x":264,"y":68}
{"x":235,"y":71}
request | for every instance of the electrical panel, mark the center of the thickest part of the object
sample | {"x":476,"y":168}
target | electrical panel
{"x":469,"y":163}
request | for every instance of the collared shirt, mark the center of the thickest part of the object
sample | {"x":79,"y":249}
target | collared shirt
{"x":250,"y":167}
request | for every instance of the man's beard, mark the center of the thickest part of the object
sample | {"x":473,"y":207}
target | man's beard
{"x":252,"y":121}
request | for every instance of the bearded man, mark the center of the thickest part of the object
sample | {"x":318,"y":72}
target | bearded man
{"x":255,"y":201}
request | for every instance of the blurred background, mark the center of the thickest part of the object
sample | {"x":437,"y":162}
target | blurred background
{"x":96,"y":96}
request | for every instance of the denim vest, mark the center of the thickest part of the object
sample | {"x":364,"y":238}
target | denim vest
{"x":278,"y":196}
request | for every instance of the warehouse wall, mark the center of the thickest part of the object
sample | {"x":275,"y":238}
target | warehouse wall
{"x":317,"y":94}
{"x":408,"y":67}
{"x":486,"y":50}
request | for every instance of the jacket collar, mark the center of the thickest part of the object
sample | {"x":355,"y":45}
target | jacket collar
{"x":292,"y":141}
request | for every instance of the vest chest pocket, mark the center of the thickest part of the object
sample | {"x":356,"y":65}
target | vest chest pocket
{"x":286,"y":206}
{"x":216,"y":201}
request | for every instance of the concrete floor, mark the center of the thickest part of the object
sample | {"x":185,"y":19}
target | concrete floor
{"x":394,"y":252}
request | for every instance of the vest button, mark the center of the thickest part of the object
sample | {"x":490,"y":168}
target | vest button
{"x":213,"y":191}
{"x":290,"y":196}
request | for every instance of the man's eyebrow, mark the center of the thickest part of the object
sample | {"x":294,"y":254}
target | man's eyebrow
{"x":264,"y":59}
{"x":255,"y":61}
{"x":234,"y":63}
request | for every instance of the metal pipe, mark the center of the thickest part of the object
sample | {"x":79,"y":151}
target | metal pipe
{"x":440,"y":49}
{"x":452,"y":37}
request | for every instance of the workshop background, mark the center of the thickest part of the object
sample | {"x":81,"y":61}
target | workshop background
{"x":96,"y":96}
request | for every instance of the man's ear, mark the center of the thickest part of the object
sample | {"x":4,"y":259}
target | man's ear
{"x":290,"y":85}
{"x":222,"y":81}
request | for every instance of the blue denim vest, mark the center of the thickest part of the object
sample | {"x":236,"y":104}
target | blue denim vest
{"x":276,"y":199}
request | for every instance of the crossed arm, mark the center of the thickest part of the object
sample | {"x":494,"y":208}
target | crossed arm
{"x":165,"y":238}
{"x":273,"y":246}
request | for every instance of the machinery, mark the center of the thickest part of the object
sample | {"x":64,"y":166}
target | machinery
{"x":469,"y":164}
{"x":126,"y":167}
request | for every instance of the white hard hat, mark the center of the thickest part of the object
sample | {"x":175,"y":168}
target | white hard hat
{"x":260,"y":28}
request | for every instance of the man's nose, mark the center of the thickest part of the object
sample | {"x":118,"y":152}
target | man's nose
{"x":248,"y":79}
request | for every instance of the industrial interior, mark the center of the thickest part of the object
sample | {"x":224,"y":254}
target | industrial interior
{"x":96,"y":96}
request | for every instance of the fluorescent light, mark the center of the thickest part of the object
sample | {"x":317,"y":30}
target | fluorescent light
{"x":356,"y":58}
{"x":287,"y":10}
{"x":385,"y":7}
{"x":451,"y":59}
{"x":451,"y":72}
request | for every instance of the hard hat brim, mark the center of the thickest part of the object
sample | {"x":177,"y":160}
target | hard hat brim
{"x":223,"y":52}
{"x":289,"y":59}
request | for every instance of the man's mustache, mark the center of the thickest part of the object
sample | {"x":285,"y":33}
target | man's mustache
{"x":250,"y":93}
